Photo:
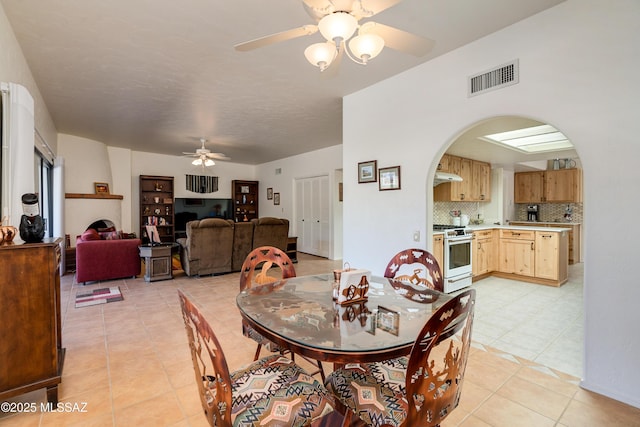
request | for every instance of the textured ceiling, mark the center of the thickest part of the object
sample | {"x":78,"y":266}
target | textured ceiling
{"x":158,"y":75}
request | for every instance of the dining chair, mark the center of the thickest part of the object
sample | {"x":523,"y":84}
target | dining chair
{"x":268,"y":256}
{"x":270,"y":391}
{"x":411,"y":271}
{"x":419,"y":390}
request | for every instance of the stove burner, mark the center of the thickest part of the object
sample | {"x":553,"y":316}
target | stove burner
{"x":439,"y":227}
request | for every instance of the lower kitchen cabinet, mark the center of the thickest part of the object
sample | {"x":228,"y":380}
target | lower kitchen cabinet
{"x":551,"y":255}
{"x":574,"y":236}
{"x":483,"y":253}
{"x":517,"y":252}
{"x":438,"y":249}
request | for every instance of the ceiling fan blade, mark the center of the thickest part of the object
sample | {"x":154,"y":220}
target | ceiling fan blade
{"x":317,"y":8}
{"x":400,"y":40}
{"x":189,"y":154}
{"x":218,"y":156}
{"x":368,"y":8}
{"x":305,"y":30}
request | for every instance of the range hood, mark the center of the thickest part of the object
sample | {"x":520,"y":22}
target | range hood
{"x":443,"y":177}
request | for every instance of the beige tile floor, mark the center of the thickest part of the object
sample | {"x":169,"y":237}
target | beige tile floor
{"x":129,"y":361}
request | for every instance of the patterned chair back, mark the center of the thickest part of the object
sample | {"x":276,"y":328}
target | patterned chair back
{"x":438,"y":361}
{"x":413,"y":273}
{"x":210,"y":366}
{"x":267,"y":256}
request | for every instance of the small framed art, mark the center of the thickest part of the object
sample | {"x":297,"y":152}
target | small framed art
{"x":276,"y":198}
{"x":389,"y":178}
{"x":367,"y":171}
{"x":269,"y":193}
{"x":388,"y":320}
{"x":101,"y":187}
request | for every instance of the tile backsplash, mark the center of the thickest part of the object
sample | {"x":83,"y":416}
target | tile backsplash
{"x":551,"y":212}
{"x":547,"y":212}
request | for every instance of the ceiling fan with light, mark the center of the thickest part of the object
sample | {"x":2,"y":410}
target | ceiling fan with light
{"x":204,"y":157}
{"x":338,"y":21}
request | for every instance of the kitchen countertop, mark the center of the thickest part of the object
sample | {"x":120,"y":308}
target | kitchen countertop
{"x":479,"y":227}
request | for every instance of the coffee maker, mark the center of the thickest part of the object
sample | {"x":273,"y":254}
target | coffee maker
{"x":532,"y":213}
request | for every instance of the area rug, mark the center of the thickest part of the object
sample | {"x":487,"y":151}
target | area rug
{"x":98,"y":296}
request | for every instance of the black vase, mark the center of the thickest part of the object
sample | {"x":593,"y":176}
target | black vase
{"x":31,"y":228}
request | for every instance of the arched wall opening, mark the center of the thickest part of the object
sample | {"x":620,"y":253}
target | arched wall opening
{"x":501,"y":210}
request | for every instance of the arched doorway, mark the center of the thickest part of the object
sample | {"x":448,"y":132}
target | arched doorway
{"x":535,"y":322}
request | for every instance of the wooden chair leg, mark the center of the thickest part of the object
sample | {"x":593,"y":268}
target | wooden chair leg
{"x":257,"y":352}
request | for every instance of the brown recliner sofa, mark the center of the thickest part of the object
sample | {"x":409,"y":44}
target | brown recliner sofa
{"x":265,"y":231}
{"x":208,"y":247}
{"x":216,"y":246}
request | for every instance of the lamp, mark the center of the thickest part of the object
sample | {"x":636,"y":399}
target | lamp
{"x":199,"y":162}
{"x":338,"y":27}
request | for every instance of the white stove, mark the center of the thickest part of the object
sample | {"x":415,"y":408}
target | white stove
{"x":457,"y":268}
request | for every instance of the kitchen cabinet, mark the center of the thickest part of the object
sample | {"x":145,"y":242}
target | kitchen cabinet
{"x":443,"y":164}
{"x":528,"y":187}
{"x":574,"y":240}
{"x":244,"y":195}
{"x":563,"y":186}
{"x":438,"y":249}
{"x":552,"y":186}
{"x":517,"y":252}
{"x":156,"y":206}
{"x":483,"y":253}
{"x":481,"y":181}
{"x":475,"y":185}
{"x":31,"y":346}
{"x":551,"y":255}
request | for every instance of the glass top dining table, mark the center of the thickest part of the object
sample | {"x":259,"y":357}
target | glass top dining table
{"x":300,"y":314}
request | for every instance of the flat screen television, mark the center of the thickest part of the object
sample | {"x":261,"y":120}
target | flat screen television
{"x":189,"y":209}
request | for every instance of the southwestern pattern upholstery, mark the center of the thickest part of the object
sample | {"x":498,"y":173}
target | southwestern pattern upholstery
{"x":420,"y":390}
{"x":271,"y":391}
{"x":413,"y":273}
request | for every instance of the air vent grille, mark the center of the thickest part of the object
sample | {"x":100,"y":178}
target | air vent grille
{"x":502,"y":76}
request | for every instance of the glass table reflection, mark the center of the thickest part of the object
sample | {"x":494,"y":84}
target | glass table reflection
{"x":300,"y":315}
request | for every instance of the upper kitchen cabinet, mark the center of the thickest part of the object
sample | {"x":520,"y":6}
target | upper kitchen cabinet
{"x":528,"y":187}
{"x":563,"y":185}
{"x":481,"y":181}
{"x":475,"y":185}
{"x":552,"y":186}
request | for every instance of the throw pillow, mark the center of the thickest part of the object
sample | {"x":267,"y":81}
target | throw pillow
{"x":90,"y":234}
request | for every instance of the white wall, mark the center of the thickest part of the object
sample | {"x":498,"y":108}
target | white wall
{"x":327,"y":161}
{"x":568,"y":56}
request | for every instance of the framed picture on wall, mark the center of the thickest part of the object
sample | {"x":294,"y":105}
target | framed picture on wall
{"x":269,"y":193}
{"x":276,"y":198}
{"x":101,"y":187}
{"x":367,"y":171}
{"x":389,"y":178}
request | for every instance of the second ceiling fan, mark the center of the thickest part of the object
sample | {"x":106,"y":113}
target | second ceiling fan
{"x":338,"y":21}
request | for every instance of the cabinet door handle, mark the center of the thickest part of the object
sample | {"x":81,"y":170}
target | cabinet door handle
{"x":547,"y":236}
{"x":531,"y":245}
{"x":461,"y":196}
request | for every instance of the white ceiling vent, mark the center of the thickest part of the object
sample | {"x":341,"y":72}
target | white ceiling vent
{"x":501,"y":76}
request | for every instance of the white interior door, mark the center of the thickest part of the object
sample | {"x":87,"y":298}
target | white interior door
{"x":313,"y":215}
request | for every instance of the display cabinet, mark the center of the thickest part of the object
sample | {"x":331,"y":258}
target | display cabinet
{"x":245,"y":200}
{"x":156,"y":206}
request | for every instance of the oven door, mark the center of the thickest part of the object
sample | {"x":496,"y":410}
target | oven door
{"x":457,"y":263}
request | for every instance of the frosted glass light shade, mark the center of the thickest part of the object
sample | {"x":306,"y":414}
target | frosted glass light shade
{"x":197,"y":162}
{"x":338,"y":25}
{"x":321,"y":54}
{"x":366,"y":46}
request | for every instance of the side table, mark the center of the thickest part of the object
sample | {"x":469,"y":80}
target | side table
{"x":157,"y":261}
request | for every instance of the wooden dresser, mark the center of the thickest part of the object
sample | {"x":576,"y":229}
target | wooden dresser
{"x":31,"y":352}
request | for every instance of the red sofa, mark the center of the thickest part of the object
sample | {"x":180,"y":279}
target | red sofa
{"x":102,"y":259}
